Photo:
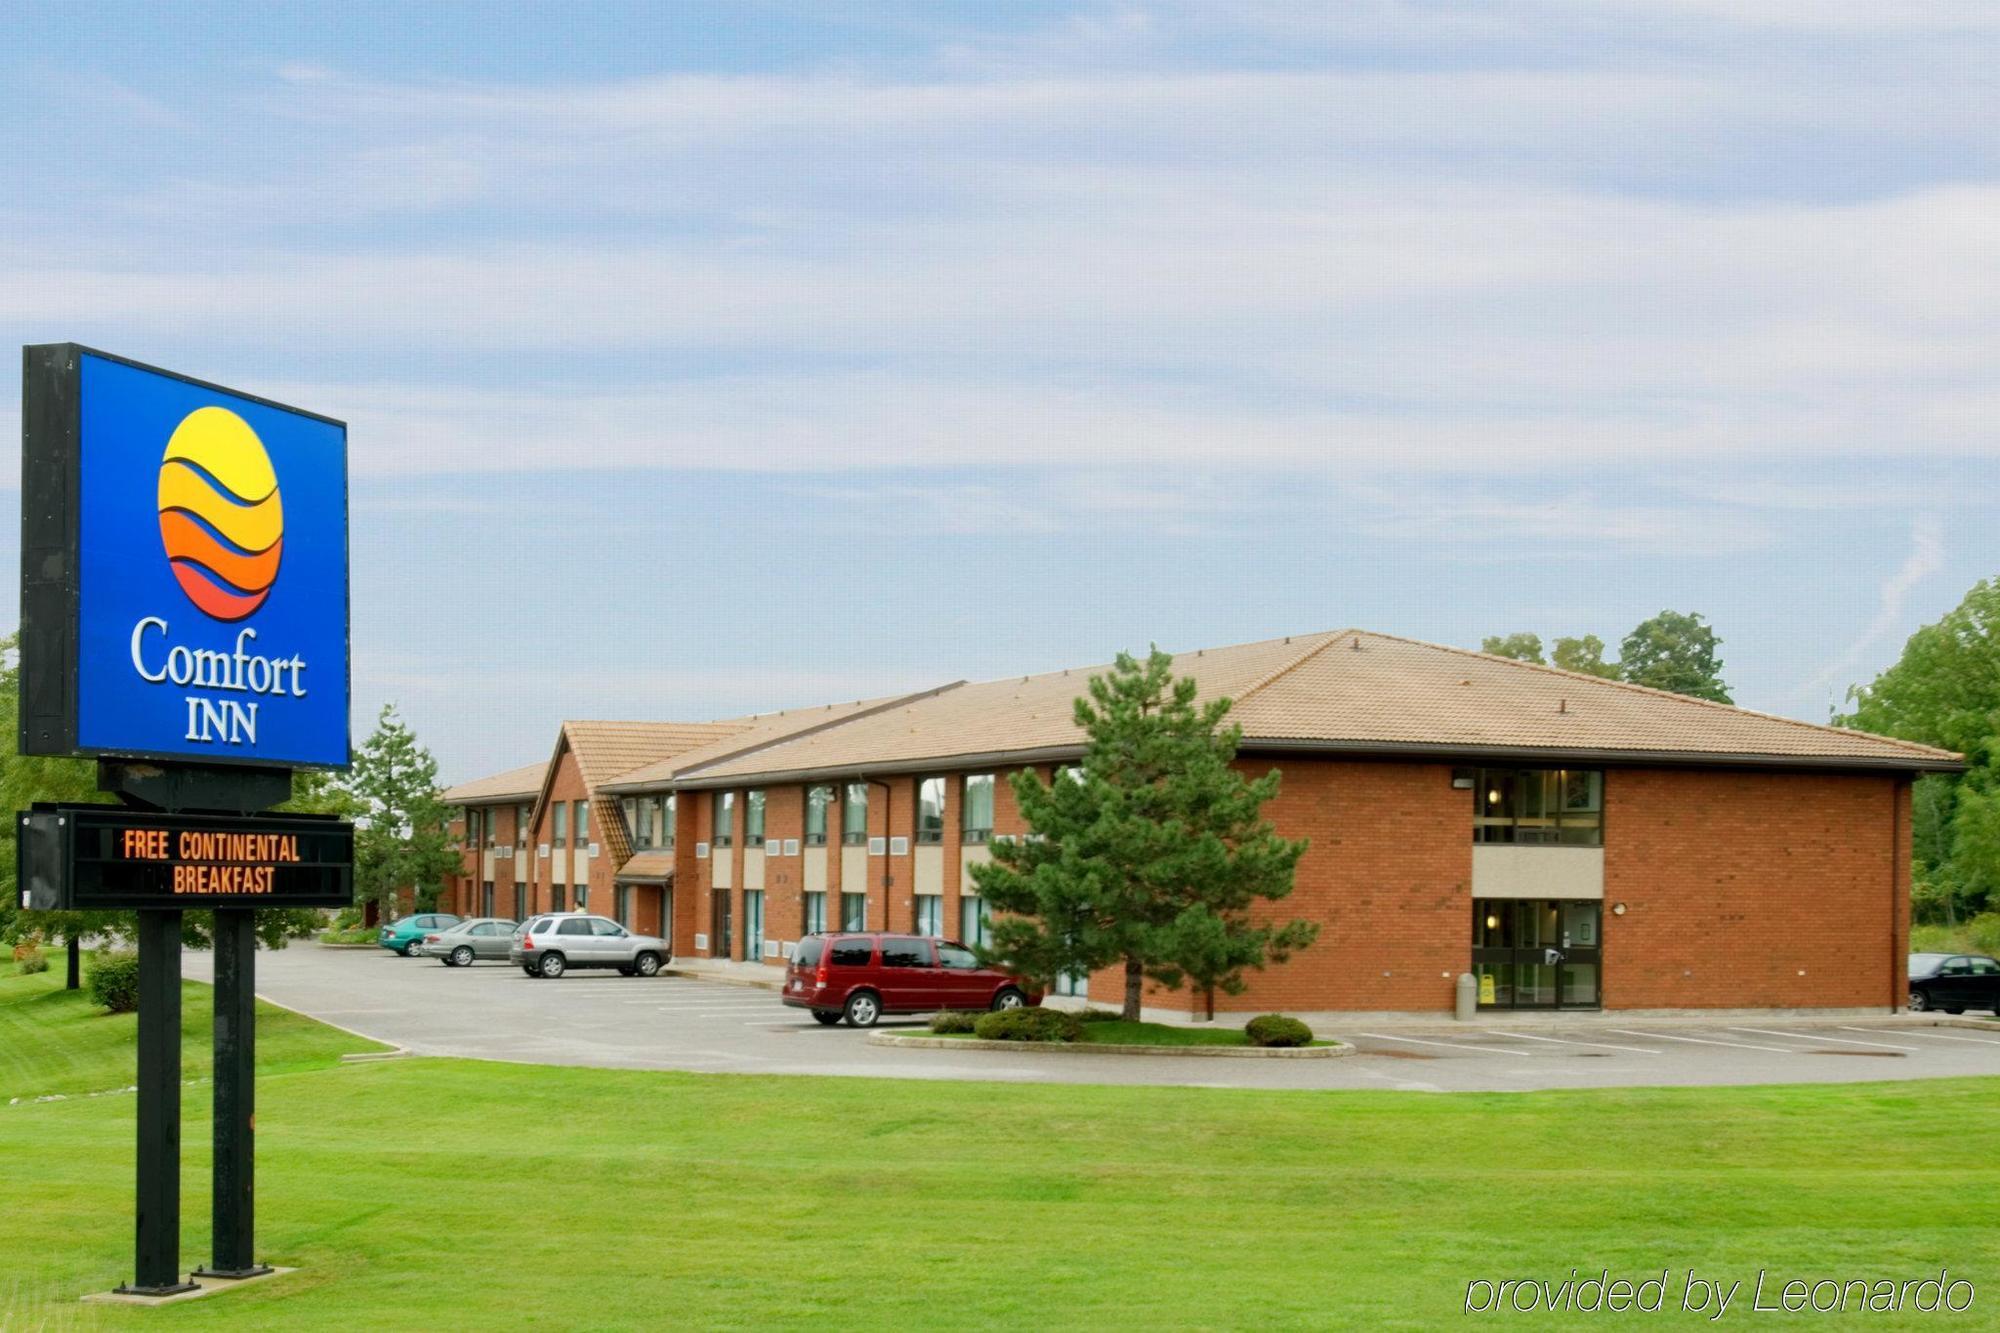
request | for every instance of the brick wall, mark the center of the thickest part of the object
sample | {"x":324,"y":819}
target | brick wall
{"x":1755,"y":889}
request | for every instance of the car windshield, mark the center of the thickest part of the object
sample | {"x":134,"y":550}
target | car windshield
{"x":1923,"y":964}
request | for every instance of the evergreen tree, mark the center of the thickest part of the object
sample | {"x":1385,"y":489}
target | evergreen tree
{"x":1149,"y":856}
{"x":403,"y":839}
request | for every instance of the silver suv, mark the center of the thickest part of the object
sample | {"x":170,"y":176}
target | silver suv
{"x":554,"y":942}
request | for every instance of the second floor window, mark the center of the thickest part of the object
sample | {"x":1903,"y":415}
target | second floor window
{"x":930,"y":810}
{"x":644,"y":833}
{"x":561,"y":834}
{"x":580,"y":823}
{"x":667,"y":808}
{"x":977,"y":814}
{"x":753,"y":819}
{"x":817,"y":801}
{"x":854,"y":815}
{"x":1545,"y":807}
{"x":725,"y":818}
{"x":522,"y":814}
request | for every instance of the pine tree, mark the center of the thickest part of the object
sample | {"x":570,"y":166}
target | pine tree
{"x":1151,"y":855}
{"x":402,"y":840}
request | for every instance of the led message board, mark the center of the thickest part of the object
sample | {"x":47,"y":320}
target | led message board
{"x":86,"y":857}
{"x":183,"y":569}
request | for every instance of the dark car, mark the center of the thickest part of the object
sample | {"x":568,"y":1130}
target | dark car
{"x":1954,"y":982}
{"x":862,"y":976}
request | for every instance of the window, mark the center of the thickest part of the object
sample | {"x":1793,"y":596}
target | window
{"x":522,"y":813}
{"x":561,"y":836}
{"x":808,"y":952}
{"x":854,"y":815}
{"x":520,"y":901}
{"x":815,"y":913}
{"x":486,"y":898}
{"x":580,"y":824}
{"x":643,"y":813}
{"x":962,"y":960}
{"x":753,"y":819}
{"x":1073,"y":983}
{"x":1538,"y":806}
{"x":930,"y":915}
{"x":667,"y":821}
{"x":905,"y":951}
{"x":976,"y":817}
{"x":630,"y":809}
{"x":606,"y":929}
{"x":854,"y":911}
{"x":852,"y":953}
{"x":576,"y":925}
{"x":973,"y":915}
{"x":583,"y":897}
{"x":556,"y":897}
{"x":725,"y":818}
{"x":817,"y":801}
{"x":621,"y":904}
{"x":930,"y":810}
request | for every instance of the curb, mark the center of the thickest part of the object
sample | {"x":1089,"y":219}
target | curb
{"x":1333,"y":1051}
{"x":754,"y":983}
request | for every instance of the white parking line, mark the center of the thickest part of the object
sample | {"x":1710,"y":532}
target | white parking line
{"x":1704,"y":1041}
{"x":1837,"y":1041}
{"x":1454,"y":1045}
{"x":1982,"y":1041}
{"x":1565,"y":1041}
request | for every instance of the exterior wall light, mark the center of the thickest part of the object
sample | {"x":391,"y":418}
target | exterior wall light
{"x":1618,"y":909}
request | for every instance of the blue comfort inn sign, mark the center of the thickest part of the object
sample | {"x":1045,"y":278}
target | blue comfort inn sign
{"x":184,"y":569}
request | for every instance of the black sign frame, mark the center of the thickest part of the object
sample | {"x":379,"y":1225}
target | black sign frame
{"x":67,"y":859}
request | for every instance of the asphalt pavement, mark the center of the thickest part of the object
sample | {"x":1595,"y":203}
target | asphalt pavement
{"x":492,"y":1011}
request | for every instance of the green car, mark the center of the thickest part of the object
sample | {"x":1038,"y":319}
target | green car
{"x":407,"y":936}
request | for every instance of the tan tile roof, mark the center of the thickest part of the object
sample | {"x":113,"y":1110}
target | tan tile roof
{"x":755,"y":732}
{"x":1342,"y":690}
{"x":515,"y":784}
{"x":653,"y":865}
{"x":605,"y":749}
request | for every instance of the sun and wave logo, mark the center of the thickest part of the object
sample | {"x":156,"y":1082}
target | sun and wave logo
{"x":221,"y":520}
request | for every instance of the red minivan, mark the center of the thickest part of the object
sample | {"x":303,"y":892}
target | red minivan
{"x":862,"y":976}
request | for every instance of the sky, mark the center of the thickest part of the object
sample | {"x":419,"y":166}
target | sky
{"x":712,"y":358}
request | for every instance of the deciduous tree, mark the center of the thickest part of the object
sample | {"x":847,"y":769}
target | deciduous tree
{"x":1675,"y":651}
{"x":402,"y":841}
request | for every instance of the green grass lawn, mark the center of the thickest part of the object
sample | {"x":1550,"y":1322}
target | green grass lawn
{"x":55,"y":1041}
{"x":454,"y":1194}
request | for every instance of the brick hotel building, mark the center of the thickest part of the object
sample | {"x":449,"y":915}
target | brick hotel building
{"x":1577,"y":843}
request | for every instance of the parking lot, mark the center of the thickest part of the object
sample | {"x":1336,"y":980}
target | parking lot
{"x":494,"y":1012}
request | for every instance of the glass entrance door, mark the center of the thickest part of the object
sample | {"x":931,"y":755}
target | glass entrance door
{"x":1536,"y":953}
{"x":721,"y":941}
{"x":753,"y":925}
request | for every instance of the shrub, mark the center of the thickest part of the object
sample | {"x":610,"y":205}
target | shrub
{"x":28,"y":960}
{"x":954,"y":1020}
{"x":1028,"y":1025}
{"x":348,"y":918}
{"x":1277,"y":1030}
{"x":1101,"y":1016}
{"x":114,"y":982}
{"x":358,"y":935}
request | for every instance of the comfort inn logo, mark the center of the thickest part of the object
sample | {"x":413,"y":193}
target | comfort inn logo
{"x":221,"y":520}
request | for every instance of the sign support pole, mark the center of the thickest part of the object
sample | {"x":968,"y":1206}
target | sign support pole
{"x":235,"y":1163}
{"x":157,"y":1252}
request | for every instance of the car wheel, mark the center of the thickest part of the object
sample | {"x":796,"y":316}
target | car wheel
{"x":1919,"y":1002}
{"x":410,"y":950}
{"x":1009,"y":998}
{"x":825,"y":1018}
{"x":552,"y":965}
{"x":462,"y":956}
{"x":529,"y":968}
{"x":863,"y":1008}
{"x":647,"y":965}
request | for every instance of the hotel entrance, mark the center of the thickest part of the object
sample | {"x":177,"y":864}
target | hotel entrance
{"x":1537,"y":953}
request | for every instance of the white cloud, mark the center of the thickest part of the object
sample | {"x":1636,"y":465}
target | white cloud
{"x":1926,"y":557}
